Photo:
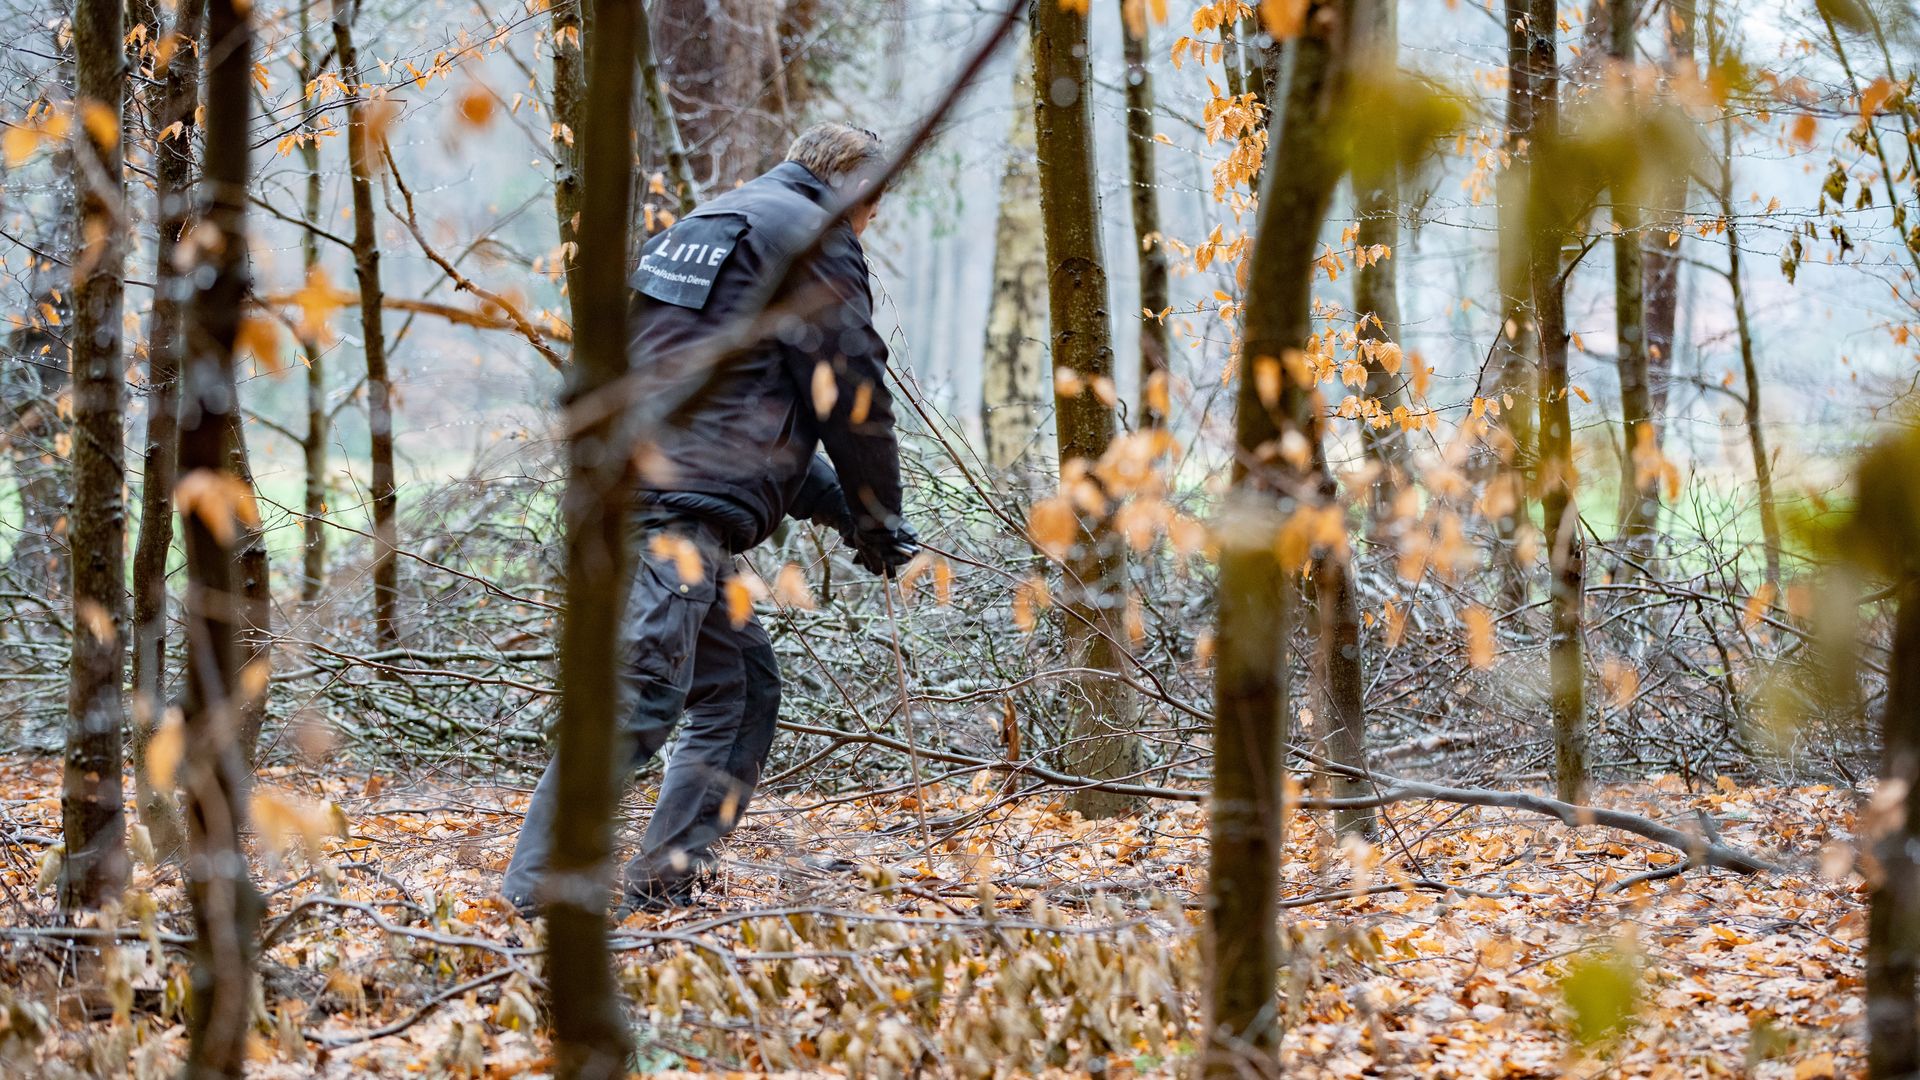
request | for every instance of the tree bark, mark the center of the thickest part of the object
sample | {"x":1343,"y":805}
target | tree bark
{"x":1566,"y":547}
{"x":1148,"y":245}
{"x":1014,"y":368}
{"x":1662,"y":260}
{"x":1343,"y":669}
{"x":1104,"y":743}
{"x":366,"y":262}
{"x":723,"y":71}
{"x":32,"y":422}
{"x":172,"y":98}
{"x":1275,"y":405}
{"x":590,"y":1030}
{"x":1376,"y":287}
{"x":569,"y":102}
{"x":256,"y":594}
{"x":1639,"y":502}
{"x":226,"y":906}
{"x":313,"y":446}
{"x":1516,"y":350}
{"x":92,"y":809}
{"x":666,"y":126}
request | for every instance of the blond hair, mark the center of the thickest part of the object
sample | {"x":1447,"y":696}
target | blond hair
{"x":839,"y":154}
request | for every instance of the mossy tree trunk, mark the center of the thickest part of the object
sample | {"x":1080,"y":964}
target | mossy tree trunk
{"x":1275,"y":403}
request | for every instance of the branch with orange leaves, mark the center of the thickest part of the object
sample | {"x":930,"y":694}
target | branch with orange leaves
{"x":459,"y":316}
{"x":514,"y":317}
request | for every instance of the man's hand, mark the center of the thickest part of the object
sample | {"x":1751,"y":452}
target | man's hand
{"x":884,"y":551}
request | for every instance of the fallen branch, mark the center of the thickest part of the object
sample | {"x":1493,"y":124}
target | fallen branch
{"x":1704,"y":849}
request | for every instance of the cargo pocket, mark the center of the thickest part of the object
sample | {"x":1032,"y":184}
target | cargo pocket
{"x":673,"y":588}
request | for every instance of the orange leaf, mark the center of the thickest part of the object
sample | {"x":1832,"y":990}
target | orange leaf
{"x":1479,"y":637}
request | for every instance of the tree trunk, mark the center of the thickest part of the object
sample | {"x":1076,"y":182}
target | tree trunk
{"x":1750,"y":370}
{"x":313,"y":447}
{"x":1274,"y":404}
{"x":1343,"y":669}
{"x":1662,"y":264}
{"x":1376,"y":289}
{"x":666,"y":126}
{"x":32,"y":422}
{"x":1893,"y":912}
{"x":590,"y":1029}
{"x":1014,"y":368}
{"x":92,"y":810}
{"x":172,"y":99}
{"x":226,"y":906}
{"x":1566,"y":548}
{"x":1148,"y":245}
{"x":569,"y":101}
{"x":723,"y":67}
{"x":1104,"y":743}
{"x":366,"y":262}
{"x":1516,"y":350}
{"x":256,"y":596}
{"x":1639,"y":501}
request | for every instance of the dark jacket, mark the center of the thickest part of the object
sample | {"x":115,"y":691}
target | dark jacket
{"x":742,"y":457}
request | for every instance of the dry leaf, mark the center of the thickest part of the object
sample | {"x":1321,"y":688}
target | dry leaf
{"x":1479,"y":637}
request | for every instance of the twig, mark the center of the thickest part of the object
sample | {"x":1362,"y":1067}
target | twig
{"x":462,"y":283}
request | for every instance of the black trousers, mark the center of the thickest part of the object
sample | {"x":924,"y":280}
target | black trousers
{"x":682,"y":654}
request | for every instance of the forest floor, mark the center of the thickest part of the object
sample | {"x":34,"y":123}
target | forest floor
{"x":832,"y":942}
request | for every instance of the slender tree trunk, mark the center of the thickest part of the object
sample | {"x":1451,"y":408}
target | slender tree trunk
{"x":1014,"y":368}
{"x":1376,"y":302}
{"x":256,"y":596}
{"x":1376,"y":287}
{"x":1893,"y":912}
{"x":226,"y":906}
{"x":173,"y":97}
{"x":569,"y":103}
{"x":723,"y":67}
{"x":1343,"y":669}
{"x":1516,"y":352}
{"x":1749,"y":369}
{"x":1639,"y":502}
{"x":366,"y":262}
{"x":1148,"y":244}
{"x":590,"y":1030}
{"x":1274,"y":403}
{"x":1664,"y":241}
{"x":91,"y":802}
{"x":32,"y":421}
{"x":1566,"y":548}
{"x":313,"y":446}
{"x":1104,"y":742}
{"x":666,"y":126}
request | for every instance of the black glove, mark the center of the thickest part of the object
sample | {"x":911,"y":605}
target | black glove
{"x":883,"y":551}
{"x":830,"y":511}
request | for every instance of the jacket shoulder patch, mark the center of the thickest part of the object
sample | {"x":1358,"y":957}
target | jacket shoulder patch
{"x":680,"y":265}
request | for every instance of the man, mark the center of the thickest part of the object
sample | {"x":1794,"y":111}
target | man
{"x":717,"y":482}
